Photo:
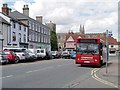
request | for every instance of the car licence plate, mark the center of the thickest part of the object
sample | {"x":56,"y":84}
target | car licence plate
{"x":86,"y":61}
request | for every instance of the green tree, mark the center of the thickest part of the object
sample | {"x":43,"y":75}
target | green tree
{"x":54,"y":45}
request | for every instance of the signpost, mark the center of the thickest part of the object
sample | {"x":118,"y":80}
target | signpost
{"x":108,"y":33}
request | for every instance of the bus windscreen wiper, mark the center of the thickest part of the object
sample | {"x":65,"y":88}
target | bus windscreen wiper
{"x":91,"y":52}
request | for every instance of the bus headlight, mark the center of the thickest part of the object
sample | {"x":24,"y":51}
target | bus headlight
{"x":95,"y":60}
{"x":78,"y":58}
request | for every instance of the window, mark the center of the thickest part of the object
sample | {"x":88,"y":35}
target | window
{"x":41,"y":38}
{"x":32,"y":26}
{"x":25,"y":28}
{"x":14,"y":36}
{"x":24,"y":38}
{"x":19,"y":27}
{"x":40,"y":30}
{"x":58,"y":37}
{"x":42,"y":51}
{"x":112,"y":46}
{"x":19,"y":37}
{"x":36,"y":35}
{"x":29,"y":24}
{"x":14,"y":25}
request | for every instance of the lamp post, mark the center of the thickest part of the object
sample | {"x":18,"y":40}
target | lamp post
{"x":1,"y":39}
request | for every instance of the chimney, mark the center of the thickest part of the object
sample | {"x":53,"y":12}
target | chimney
{"x":39,"y":19}
{"x":9,"y":10}
{"x":26,"y":10}
{"x":5,"y":9}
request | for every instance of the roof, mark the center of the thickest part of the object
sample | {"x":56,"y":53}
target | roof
{"x":21,"y":16}
{"x":4,"y":21}
{"x":13,"y":19}
{"x":102,"y":36}
{"x":73,"y":35}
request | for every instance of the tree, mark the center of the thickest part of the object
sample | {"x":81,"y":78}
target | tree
{"x":54,"y":45}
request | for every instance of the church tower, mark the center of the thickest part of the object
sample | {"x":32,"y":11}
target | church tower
{"x":82,"y":30}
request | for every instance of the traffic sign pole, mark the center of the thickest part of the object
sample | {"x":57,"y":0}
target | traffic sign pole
{"x":108,"y":33}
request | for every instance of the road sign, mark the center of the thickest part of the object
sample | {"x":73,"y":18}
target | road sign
{"x":109,"y":33}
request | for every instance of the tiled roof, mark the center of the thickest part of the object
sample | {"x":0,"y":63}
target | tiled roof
{"x":74,"y":36}
{"x":21,"y":16}
{"x":111,"y":40}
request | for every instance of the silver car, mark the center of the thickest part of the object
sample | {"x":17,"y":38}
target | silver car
{"x":3,"y":58}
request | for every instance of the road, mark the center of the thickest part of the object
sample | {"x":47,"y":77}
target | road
{"x":57,"y":73}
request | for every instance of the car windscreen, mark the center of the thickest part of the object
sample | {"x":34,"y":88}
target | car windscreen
{"x":2,"y":53}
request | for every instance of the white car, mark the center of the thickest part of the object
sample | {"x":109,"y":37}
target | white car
{"x":41,"y":53}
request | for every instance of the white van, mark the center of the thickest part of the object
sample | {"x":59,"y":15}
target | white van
{"x":34,"y":51}
{"x":41,"y":53}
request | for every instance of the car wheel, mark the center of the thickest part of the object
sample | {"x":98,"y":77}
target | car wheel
{"x":17,"y":60}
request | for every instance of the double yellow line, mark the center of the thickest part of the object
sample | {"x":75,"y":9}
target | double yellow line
{"x":94,"y":75}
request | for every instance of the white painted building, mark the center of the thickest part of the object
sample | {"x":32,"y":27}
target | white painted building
{"x":15,"y":35}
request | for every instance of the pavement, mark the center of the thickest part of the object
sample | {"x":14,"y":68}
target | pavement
{"x":112,"y":74}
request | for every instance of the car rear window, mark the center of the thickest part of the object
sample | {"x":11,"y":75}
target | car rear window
{"x":7,"y":52}
{"x":16,"y":50}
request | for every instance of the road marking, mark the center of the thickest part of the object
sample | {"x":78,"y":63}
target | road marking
{"x":6,"y":76}
{"x":59,"y":65}
{"x":94,"y":75}
{"x":39,"y":69}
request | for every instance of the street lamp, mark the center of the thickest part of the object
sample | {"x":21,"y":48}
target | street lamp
{"x":1,"y":39}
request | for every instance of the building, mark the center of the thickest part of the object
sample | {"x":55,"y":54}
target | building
{"x":15,"y":32}
{"x":4,"y":31}
{"x":38,"y":34}
{"x":52,"y":26}
{"x":61,"y":37}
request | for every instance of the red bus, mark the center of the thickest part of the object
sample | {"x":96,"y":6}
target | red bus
{"x":90,"y":51}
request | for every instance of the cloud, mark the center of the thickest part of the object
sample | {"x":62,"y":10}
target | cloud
{"x":96,"y":15}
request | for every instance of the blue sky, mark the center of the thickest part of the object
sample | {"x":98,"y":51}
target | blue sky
{"x":96,"y":15}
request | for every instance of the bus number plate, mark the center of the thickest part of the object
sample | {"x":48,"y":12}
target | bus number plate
{"x":86,"y":61}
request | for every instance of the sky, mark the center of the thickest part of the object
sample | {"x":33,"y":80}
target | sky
{"x":97,"y":16}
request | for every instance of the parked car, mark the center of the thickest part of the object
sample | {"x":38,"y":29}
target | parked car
{"x":29,"y":56}
{"x":73,"y":55}
{"x":3,"y":58}
{"x":65,"y":54}
{"x":19,"y":52}
{"x":41,"y":53}
{"x":12,"y":58}
{"x":48,"y":55}
{"x":54,"y":54}
{"x":34,"y":51}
